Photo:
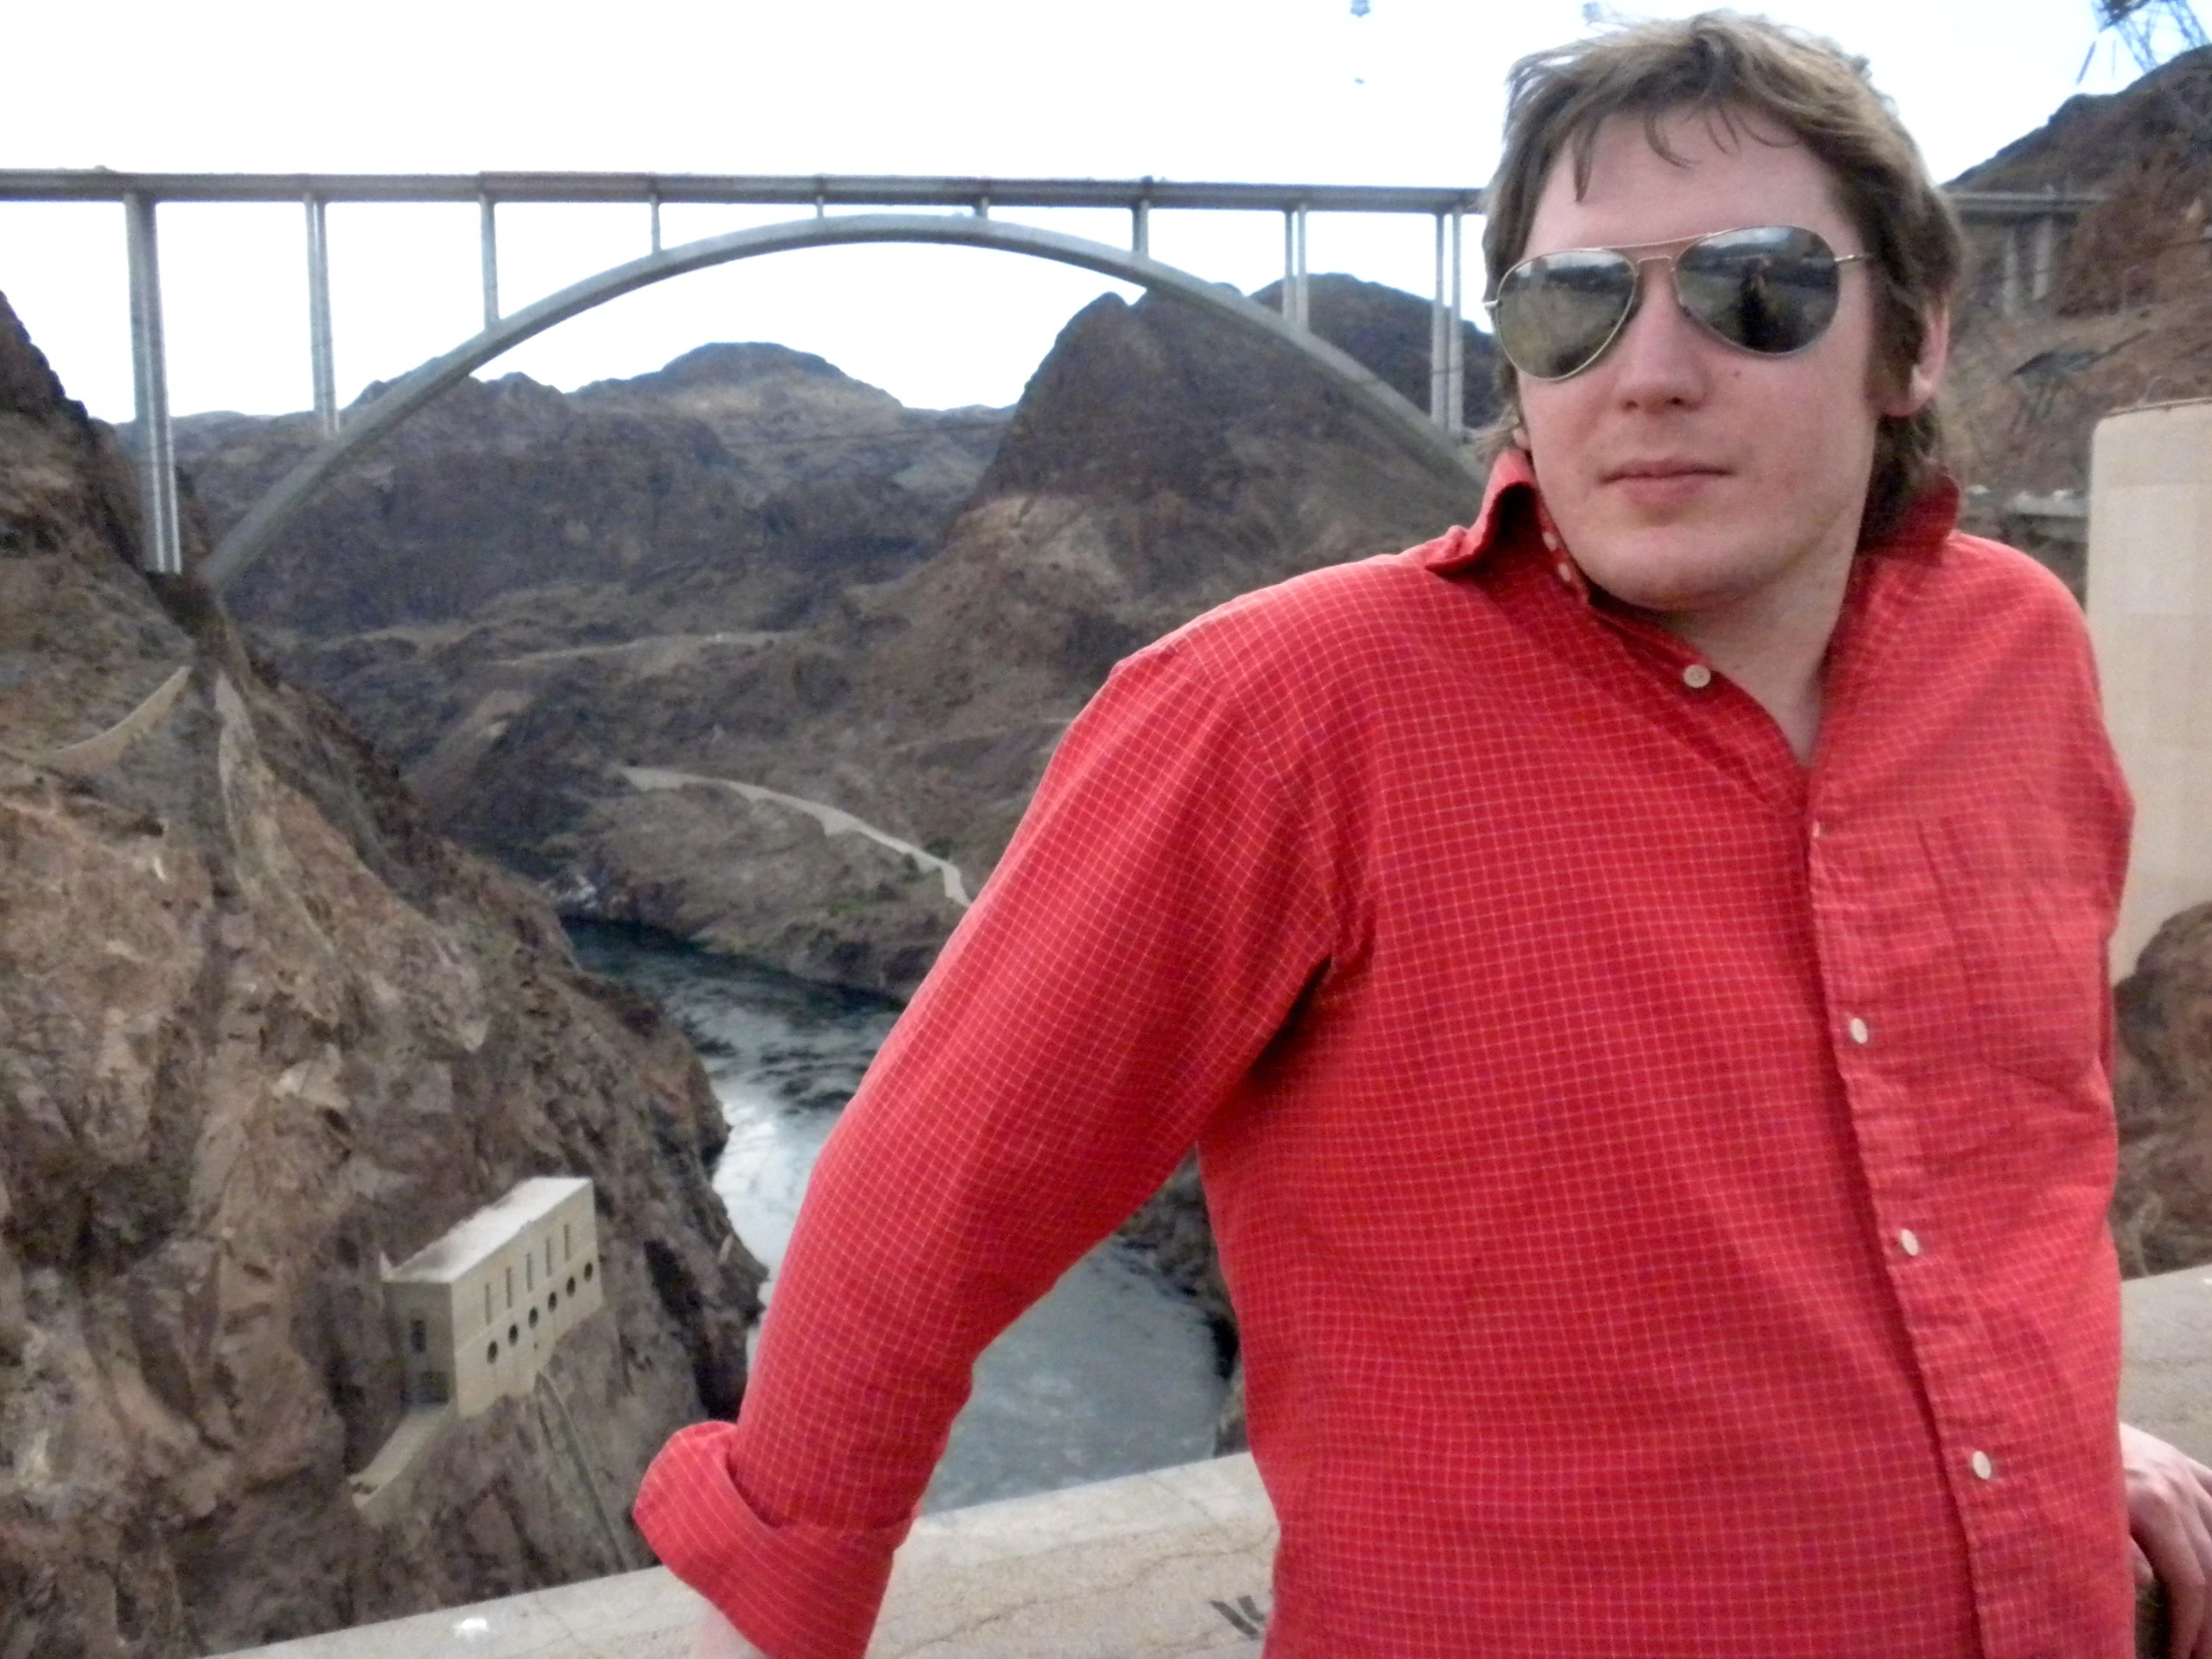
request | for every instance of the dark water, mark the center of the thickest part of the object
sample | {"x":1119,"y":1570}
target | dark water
{"x":1110,"y":1374}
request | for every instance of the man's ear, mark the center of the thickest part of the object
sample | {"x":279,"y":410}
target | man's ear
{"x":1927,"y":373}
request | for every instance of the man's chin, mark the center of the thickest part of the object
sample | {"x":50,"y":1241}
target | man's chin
{"x":1660,"y":585}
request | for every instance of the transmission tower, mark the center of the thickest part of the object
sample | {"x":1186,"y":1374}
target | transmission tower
{"x":2143,"y":25}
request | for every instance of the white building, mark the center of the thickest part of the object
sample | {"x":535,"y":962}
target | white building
{"x":475,"y":1313}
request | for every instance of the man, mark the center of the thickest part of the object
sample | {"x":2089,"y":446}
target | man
{"x":1633,"y":970}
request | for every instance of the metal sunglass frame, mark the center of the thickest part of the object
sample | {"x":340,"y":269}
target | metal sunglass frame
{"x":1681,"y":245}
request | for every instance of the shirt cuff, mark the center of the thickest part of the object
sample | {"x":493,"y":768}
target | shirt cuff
{"x":794,"y":1590}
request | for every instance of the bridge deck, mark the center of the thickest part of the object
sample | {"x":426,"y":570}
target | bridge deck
{"x":835,"y":190}
{"x":808,"y":190}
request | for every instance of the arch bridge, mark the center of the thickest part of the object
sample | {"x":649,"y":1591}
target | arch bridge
{"x":1435,"y":436}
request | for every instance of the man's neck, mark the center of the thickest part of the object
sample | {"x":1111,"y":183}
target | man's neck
{"x":1773,"y":644}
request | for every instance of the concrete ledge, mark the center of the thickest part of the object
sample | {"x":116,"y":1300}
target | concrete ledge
{"x":1150,"y":1566}
{"x":2166,"y":1366}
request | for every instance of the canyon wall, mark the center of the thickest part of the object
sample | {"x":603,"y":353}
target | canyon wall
{"x":696,"y":582}
{"x":262,"y":1030}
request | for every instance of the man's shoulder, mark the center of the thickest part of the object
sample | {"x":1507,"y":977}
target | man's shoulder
{"x":2001,"y":579}
{"x":1341,"y":621}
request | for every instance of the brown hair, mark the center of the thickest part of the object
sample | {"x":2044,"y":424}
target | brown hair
{"x":1725,"y":64}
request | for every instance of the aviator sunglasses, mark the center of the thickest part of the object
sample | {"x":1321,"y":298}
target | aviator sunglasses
{"x":1769,"y":289}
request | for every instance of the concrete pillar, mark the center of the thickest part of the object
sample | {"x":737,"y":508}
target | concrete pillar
{"x":488,"y":231}
{"x":162,"y":545}
{"x":1455,"y":353}
{"x":2009,"y":304}
{"x":1439,"y":340}
{"x":2047,"y":258}
{"x":322,"y":359}
{"x":1296,"y":309}
{"x":2150,"y":612}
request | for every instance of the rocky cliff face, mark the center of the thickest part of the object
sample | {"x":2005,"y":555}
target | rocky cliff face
{"x":2162,"y":1210}
{"x":741,"y":487}
{"x":261,"y":1030}
{"x":1388,"y":329}
{"x":1157,"y":465}
{"x":2129,"y":318}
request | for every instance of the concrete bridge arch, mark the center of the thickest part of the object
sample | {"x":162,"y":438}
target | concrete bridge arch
{"x":258,"y":530}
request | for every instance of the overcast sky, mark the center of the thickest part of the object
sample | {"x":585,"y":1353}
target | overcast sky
{"x":1268,"y":90}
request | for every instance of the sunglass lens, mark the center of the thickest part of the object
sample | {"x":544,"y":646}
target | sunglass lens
{"x":1770,"y":289}
{"x":1555,"y":314}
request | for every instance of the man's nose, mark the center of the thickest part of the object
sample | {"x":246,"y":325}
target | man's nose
{"x":1662,"y":358}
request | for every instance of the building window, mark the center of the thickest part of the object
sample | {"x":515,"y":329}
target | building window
{"x":533,"y":1319}
{"x":549,"y":1256}
{"x":491,"y":1353}
{"x":418,"y":1335}
{"x":568,"y":1245}
{"x":572,"y":1284}
{"x":552,"y":1300}
{"x":529,"y":1272}
{"x":587,"y":1269}
{"x":514,"y":1336}
{"x":487,"y":1305}
{"x":510,"y":1287}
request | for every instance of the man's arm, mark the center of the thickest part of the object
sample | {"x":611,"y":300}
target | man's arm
{"x":2169,"y":1513}
{"x":1157,"y":916}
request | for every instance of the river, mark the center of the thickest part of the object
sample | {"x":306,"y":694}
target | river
{"x":1112,"y":1373}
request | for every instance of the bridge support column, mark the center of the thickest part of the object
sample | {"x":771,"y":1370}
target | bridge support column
{"x":2045,"y":263}
{"x":488,"y":242}
{"x":321,"y":356}
{"x":161,"y":547}
{"x":1140,"y":229}
{"x":1439,"y":340}
{"x":654,"y":201}
{"x":1456,"y":348}
{"x":2008,"y":300}
{"x":1295,"y":310}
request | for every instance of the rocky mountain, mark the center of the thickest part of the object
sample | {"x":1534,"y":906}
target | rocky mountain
{"x":2129,"y":315}
{"x":663,"y":726}
{"x":2162,"y":1213}
{"x":262,"y":1030}
{"x":1386,"y":329}
{"x":741,"y":487}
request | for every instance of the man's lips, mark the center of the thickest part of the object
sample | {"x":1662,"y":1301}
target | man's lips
{"x":1667,"y":467}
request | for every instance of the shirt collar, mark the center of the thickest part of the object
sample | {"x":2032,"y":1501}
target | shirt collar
{"x":1928,"y":523}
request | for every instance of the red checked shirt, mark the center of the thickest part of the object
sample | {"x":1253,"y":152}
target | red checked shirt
{"x":1662,"y":1186}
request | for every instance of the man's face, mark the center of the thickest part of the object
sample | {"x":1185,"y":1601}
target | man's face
{"x":1690,"y":477}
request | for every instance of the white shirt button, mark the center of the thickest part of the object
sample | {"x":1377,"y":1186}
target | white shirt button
{"x":1859,"y":1031}
{"x":1983,"y":1468}
{"x":1697,"y":677}
{"x":1551,"y":541}
{"x":1908,"y":1242}
{"x":1565,"y":572}
{"x":1816,"y":831}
